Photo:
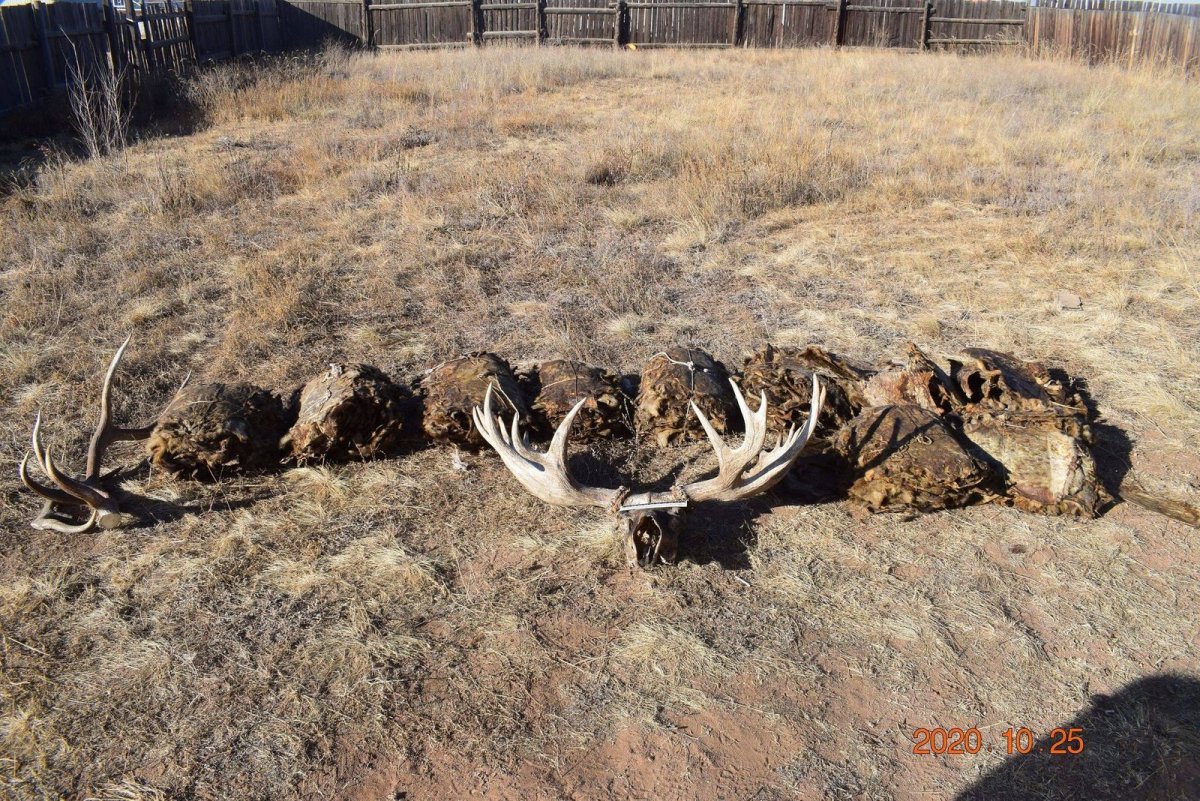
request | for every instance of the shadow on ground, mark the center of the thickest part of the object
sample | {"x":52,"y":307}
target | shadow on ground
{"x":1140,"y":744}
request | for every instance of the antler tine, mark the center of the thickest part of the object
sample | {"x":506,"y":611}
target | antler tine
{"x":49,"y":493}
{"x":42,"y":455}
{"x":731,"y":482}
{"x":543,"y":475}
{"x":106,"y":433}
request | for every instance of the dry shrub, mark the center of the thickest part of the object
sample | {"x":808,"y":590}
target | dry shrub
{"x":454,"y":388}
{"x":211,"y":429}
{"x":561,"y":384}
{"x":351,"y":411}
{"x":905,"y":459}
{"x":785,"y":376}
{"x":671,"y":381}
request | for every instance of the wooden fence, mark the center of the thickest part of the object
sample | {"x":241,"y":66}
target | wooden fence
{"x":410,"y":24}
{"x":1126,"y":33}
{"x":44,"y":45}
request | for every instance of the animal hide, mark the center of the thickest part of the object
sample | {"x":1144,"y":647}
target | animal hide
{"x":918,"y":381}
{"x":454,"y":388}
{"x":561,"y":384}
{"x":785,"y":376}
{"x":351,"y":411}
{"x":669,"y":383}
{"x":905,"y":459}
{"x":1043,"y":457}
{"x":210,"y":429}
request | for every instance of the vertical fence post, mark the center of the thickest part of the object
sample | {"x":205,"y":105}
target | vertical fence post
{"x":189,"y":18}
{"x":926,"y":24}
{"x":113,"y":27}
{"x":231,"y":12}
{"x":839,"y":24}
{"x":41,"y":19}
{"x":619,"y":22}
{"x":258,"y":25}
{"x":368,"y":25}
{"x":739,"y":11}
{"x":477,"y":22}
{"x":539,"y":20}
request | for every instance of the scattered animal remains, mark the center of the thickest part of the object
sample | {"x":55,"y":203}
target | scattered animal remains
{"x":918,"y":435}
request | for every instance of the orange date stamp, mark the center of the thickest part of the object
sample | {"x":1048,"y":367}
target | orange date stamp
{"x":1020,"y":740}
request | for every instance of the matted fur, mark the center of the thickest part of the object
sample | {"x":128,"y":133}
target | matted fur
{"x":210,"y":429}
{"x":1043,"y":456}
{"x":785,"y":376}
{"x":916,"y":380}
{"x":673,"y":379}
{"x":905,"y":459}
{"x":561,"y":384}
{"x":452,"y":389}
{"x":351,"y":411}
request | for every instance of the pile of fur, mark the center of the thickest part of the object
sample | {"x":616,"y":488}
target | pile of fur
{"x":671,"y":382}
{"x":211,"y":429}
{"x":558,"y":385}
{"x":454,"y":388}
{"x":351,"y":411}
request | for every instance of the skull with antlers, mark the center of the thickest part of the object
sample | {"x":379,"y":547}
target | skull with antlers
{"x":88,"y":493}
{"x":653,"y":520}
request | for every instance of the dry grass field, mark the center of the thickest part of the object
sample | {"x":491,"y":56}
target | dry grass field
{"x":406,"y":630}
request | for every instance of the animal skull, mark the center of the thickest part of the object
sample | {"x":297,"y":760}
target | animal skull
{"x":653,"y":521}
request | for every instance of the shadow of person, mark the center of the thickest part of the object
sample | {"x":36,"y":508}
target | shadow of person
{"x":1140,"y":744}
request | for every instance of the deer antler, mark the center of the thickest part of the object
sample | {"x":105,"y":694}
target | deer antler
{"x":745,"y":470}
{"x":544,"y":475}
{"x":86,"y":492}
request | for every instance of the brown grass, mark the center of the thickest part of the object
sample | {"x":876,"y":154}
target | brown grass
{"x":403,"y":626}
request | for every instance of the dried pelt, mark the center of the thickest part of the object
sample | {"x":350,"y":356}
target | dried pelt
{"x":454,"y":388}
{"x":1043,"y":456}
{"x":670,"y":382}
{"x":561,"y":384}
{"x":784,"y":375}
{"x":1035,"y":429}
{"x":351,"y":411}
{"x":210,"y":429}
{"x":917,"y":380}
{"x":905,"y":459}
{"x":994,"y":380}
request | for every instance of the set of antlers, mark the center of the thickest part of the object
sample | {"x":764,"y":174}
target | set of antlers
{"x":88,"y":493}
{"x":742,"y":472}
